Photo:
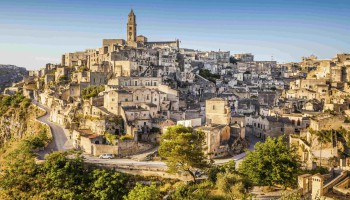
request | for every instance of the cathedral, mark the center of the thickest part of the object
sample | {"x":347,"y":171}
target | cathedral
{"x":115,"y":50}
{"x":134,"y":40}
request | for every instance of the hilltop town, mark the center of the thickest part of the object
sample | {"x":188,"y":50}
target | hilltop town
{"x":122,"y":97}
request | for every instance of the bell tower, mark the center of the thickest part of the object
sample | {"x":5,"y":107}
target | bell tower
{"x":131,"y":28}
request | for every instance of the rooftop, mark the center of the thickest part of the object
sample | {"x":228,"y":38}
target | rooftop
{"x":87,"y":133}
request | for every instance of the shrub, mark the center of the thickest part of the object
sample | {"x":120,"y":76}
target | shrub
{"x":126,"y":137}
{"x":92,"y":91}
{"x":16,"y":100}
{"x":63,"y":78}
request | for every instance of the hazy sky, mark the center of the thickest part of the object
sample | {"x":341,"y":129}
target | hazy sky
{"x":35,"y":32}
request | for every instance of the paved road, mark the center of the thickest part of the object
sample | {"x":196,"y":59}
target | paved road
{"x":125,"y":162}
{"x":60,"y":140}
{"x":143,"y":156}
{"x":161,"y":165}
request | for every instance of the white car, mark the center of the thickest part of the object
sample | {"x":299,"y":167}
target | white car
{"x":106,"y":156}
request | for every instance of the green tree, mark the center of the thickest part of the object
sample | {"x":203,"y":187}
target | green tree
{"x":214,"y":170}
{"x":111,"y":138}
{"x":108,"y":185}
{"x":14,"y":101}
{"x":208,"y":75}
{"x":272,"y":162}
{"x":141,"y":192}
{"x":61,"y":176}
{"x":233,"y":60}
{"x":63,"y":78}
{"x":183,"y":149}
{"x":198,"y":191}
{"x":18,"y":177}
{"x":64,"y":177}
{"x":232,"y":185}
{"x":92,"y":91}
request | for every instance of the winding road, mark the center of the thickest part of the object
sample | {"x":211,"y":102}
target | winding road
{"x":60,"y":141}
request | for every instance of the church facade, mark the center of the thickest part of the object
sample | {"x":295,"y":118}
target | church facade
{"x":135,"y":40}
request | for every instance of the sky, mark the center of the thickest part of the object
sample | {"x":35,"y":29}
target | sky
{"x":36,"y":32}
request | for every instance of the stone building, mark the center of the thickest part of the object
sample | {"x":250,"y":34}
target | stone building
{"x":269,"y":126}
{"x":84,"y":138}
{"x":138,"y":41}
{"x":219,"y":56}
{"x":217,"y":129}
{"x":217,"y":138}
{"x":327,"y":186}
{"x":244,"y":57}
{"x":73,"y":59}
{"x":113,"y":51}
{"x":131,"y":29}
{"x":62,"y":72}
{"x":90,"y":78}
{"x":136,"y":82}
{"x":217,"y":111}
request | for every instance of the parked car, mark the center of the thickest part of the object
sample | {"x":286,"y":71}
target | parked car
{"x":106,"y":156}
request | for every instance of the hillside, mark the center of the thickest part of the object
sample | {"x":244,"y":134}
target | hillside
{"x":10,"y":74}
{"x":17,"y":119}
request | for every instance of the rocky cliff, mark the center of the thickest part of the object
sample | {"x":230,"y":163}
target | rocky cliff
{"x":10,"y":74}
{"x":17,"y":119}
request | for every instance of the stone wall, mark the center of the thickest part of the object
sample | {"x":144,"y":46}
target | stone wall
{"x":342,"y":188}
{"x":99,"y":149}
{"x":332,"y":183}
{"x":130,"y":147}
